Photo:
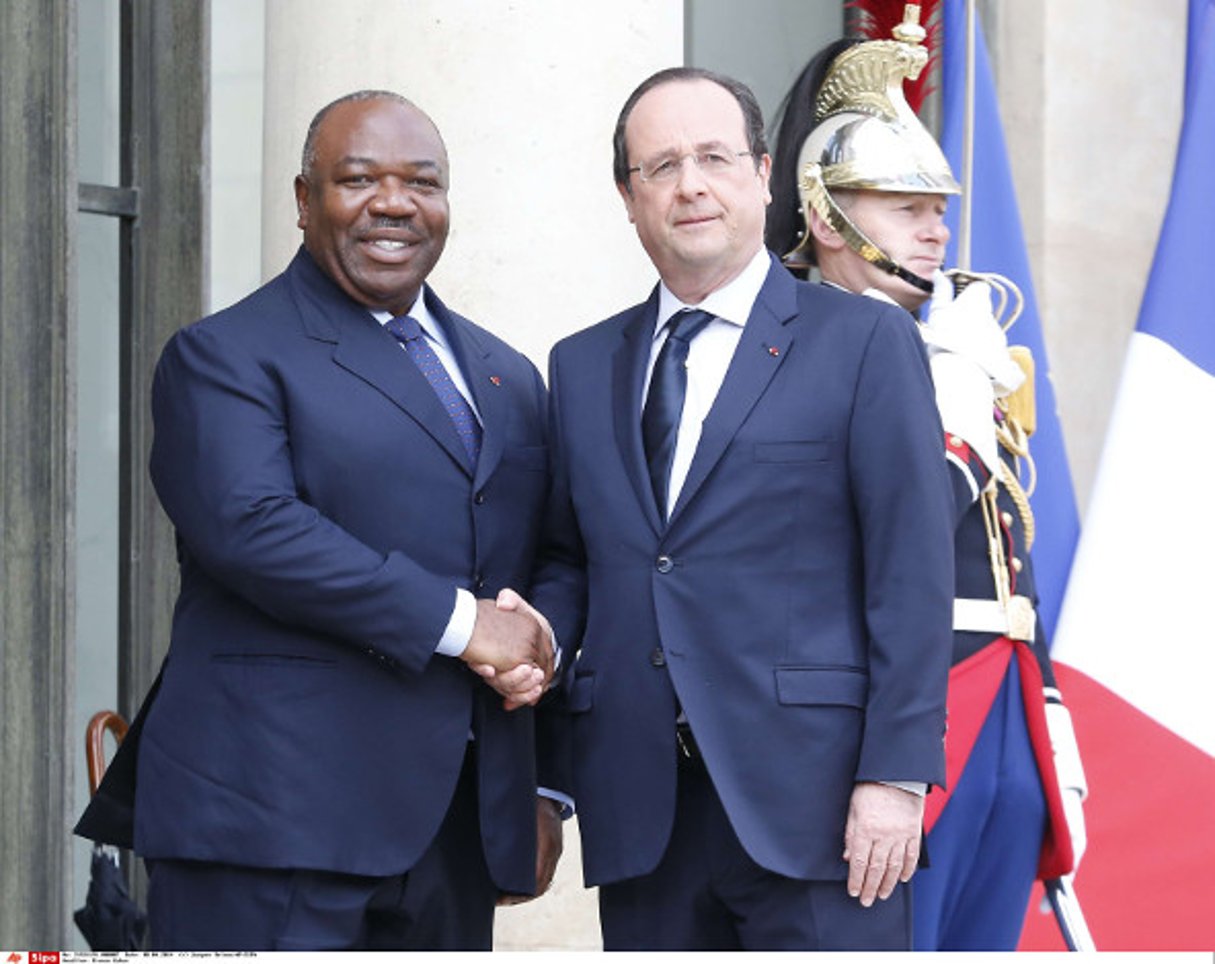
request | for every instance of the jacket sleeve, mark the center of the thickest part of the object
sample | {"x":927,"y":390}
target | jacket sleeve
{"x":904,"y":502}
{"x":221,"y":463}
{"x":560,"y":585}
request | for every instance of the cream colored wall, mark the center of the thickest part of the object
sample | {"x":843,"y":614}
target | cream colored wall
{"x":526,"y":95}
{"x":1090,"y":92}
{"x":237,"y":69}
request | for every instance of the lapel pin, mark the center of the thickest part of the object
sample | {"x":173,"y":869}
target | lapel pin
{"x":495,"y":380}
{"x":773,"y":350}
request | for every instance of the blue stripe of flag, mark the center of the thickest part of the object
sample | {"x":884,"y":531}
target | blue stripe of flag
{"x":1177,"y":305}
{"x":997,"y":244}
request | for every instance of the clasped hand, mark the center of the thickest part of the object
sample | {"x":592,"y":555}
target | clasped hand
{"x":511,"y":648}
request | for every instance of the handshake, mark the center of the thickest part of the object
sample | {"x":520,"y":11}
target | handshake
{"x":512,"y":648}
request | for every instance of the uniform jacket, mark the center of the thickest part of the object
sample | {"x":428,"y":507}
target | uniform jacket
{"x":325,"y":514}
{"x":797,"y":602}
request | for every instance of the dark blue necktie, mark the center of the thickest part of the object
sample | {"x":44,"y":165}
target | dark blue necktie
{"x":407,"y":331}
{"x":664,"y":403}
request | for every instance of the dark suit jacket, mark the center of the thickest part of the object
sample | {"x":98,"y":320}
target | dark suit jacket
{"x":325,"y":515}
{"x":797,"y":603}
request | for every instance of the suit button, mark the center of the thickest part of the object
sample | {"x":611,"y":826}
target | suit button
{"x":658,"y":657}
{"x":479,"y":498}
{"x":479,"y":583}
{"x":664,"y":564}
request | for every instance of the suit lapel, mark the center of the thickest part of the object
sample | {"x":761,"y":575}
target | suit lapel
{"x":628,"y":375}
{"x":760,"y":353}
{"x":366,"y":350}
{"x":475,"y":356}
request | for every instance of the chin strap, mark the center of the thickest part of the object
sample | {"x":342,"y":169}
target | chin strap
{"x":816,"y":193}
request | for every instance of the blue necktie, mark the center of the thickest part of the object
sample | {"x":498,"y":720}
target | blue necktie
{"x":407,"y":331}
{"x":664,"y":403}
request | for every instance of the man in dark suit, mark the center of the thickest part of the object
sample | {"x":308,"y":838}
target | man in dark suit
{"x":748,"y":567}
{"x":354,"y":471}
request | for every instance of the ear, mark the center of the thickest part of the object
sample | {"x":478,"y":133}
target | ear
{"x":765,"y":176}
{"x":824,"y":233}
{"x":626,"y":195}
{"x":301,"y":201}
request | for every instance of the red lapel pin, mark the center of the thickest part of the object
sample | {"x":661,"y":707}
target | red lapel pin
{"x":495,"y":380}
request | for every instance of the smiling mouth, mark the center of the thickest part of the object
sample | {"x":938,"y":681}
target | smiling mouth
{"x":385,"y":244}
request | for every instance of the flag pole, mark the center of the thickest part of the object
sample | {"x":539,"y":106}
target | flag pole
{"x":968,"y":142}
{"x":1068,"y":914}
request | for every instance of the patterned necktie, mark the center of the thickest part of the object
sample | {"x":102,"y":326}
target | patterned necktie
{"x":407,"y":331}
{"x":664,"y":403}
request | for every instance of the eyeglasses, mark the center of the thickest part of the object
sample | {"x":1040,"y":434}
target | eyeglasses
{"x":710,"y":161}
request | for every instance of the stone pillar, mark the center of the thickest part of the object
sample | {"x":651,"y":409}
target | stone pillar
{"x":37,"y":467}
{"x":1090,"y":94}
{"x":526,"y":97}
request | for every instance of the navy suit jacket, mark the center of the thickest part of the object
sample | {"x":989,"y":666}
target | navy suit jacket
{"x":325,"y":514}
{"x":797,"y":603}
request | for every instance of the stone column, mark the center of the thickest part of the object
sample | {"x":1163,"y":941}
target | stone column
{"x":526,"y":97}
{"x":1090,"y":94}
{"x":37,"y":468}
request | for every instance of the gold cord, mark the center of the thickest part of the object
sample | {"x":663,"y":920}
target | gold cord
{"x":1013,"y":438}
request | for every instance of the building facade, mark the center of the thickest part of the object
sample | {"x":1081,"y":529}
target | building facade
{"x":147,"y":149}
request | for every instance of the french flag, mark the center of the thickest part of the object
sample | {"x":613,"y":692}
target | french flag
{"x":1135,"y":645}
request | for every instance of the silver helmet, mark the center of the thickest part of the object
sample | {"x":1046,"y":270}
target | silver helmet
{"x":867,"y":138}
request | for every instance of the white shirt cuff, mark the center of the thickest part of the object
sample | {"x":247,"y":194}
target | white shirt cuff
{"x":911,"y":786}
{"x":460,"y":627}
{"x":567,"y":802}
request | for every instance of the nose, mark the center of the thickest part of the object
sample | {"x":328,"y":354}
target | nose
{"x":691,"y":179}
{"x":392,"y":199}
{"x":937,"y":230}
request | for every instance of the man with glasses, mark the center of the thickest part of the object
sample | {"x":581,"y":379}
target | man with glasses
{"x":749,"y":567}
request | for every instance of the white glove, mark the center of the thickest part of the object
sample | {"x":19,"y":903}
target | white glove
{"x":1070,"y":771}
{"x":963,"y":392}
{"x":966,"y":326}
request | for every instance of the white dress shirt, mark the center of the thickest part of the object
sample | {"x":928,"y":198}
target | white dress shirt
{"x":709,"y":355}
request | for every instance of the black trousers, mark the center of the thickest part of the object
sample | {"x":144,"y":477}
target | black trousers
{"x":707,"y":894}
{"x":444,"y":902}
